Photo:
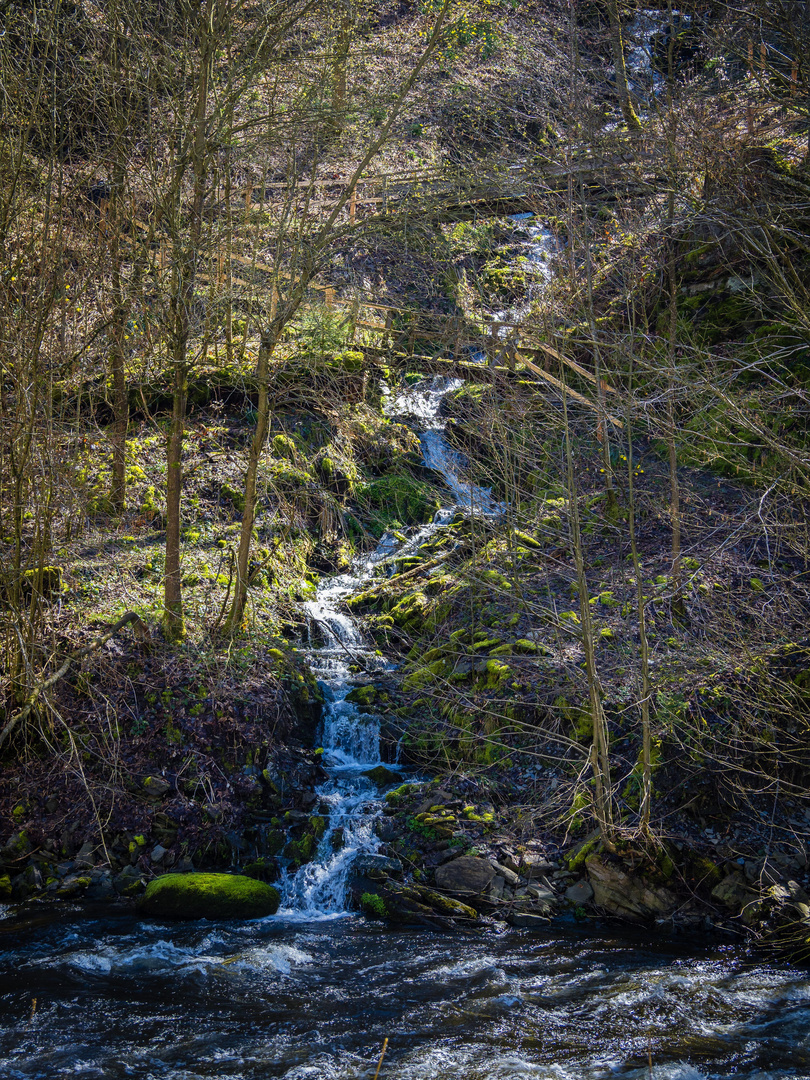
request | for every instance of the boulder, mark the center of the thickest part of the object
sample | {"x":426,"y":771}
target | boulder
{"x":628,"y":897}
{"x":535,"y":866}
{"x":509,"y":876}
{"x":209,"y":896}
{"x":377,"y":865}
{"x":156,"y":787}
{"x":382,"y":776}
{"x":528,"y":920}
{"x":466,"y":876}
{"x":734,"y":893}
{"x":579,"y":893}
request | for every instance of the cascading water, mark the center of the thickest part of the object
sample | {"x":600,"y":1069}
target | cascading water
{"x":351,"y":739}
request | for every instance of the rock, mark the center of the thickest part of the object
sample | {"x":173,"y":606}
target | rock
{"x":547,"y":895}
{"x":209,"y":896}
{"x":527,"y":920}
{"x":466,"y":876}
{"x":436,"y":798}
{"x":445,"y":905}
{"x":16,"y":847}
{"x":377,"y":864}
{"x":535,"y":866}
{"x":733,"y":893}
{"x":155,"y":787}
{"x":158,"y":854}
{"x":86,"y":853}
{"x":26,"y":884}
{"x":129,"y":882}
{"x":72,"y":886}
{"x":509,"y":876}
{"x":362,"y":696}
{"x":5,"y":888}
{"x":579,"y":893}
{"x":382,"y":776}
{"x":495,"y":889}
{"x":101,"y":888}
{"x":628,"y":897}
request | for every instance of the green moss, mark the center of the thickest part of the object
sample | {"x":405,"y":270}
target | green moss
{"x":45,"y":580}
{"x":498,"y":674}
{"x":576,"y":858}
{"x":363,"y":695}
{"x":425,"y":676}
{"x":399,"y":498}
{"x":284,"y":447}
{"x":401,"y":794}
{"x":502,"y":650}
{"x":373,"y":905}
{"x":234,"y":496}
{"x":208,"y":896}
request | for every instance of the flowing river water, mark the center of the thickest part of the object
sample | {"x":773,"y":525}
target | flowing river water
{"x":312,"y":992}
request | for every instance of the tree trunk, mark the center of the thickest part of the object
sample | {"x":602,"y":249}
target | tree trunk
{"x":617,"y":44}
{"x":173,"y":624}
{"x":266,"y":347}
{"x":118,"y":437}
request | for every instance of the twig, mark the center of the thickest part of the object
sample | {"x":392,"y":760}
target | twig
{"x":382,"y":1055}
{"x":142,"y":632}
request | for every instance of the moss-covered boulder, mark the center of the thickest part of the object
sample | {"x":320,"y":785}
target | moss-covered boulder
{"x":209,"y":896}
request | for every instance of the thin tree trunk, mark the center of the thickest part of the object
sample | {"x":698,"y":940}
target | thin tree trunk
{"x":266,"y":348}
{"x":182,"y":302}
{"x":118,"y":489}
{"x":622,"y":90}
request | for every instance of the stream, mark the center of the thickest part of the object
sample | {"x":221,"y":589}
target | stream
{"x":312,"y":992}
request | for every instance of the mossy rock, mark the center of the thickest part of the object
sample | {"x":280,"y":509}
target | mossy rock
{"x":284,"y":447}
{"x":234,"y":496}
{"x":411,"y":610}
{"x":425,"y":676}
{"x":362,"y":696}
{"x":400,"y":498}
{"x":209,"y":896}
{"x":498,"y":674}
{"x":45,"y":580}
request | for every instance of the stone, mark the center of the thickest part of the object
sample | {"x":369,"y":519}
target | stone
{"x":495,"y":889}
{"x":509,"y":876}
{"x":85,"y":857}
{"x":382,"y":776}
{"x":580,"y":892}
{"x":377,"y":864}
{"x":465,"y":876}
{"x":72,"y":886}
{"x":527,"y":920}
{"x":158,"y":854}
{"x":26,"y":883}
{"x":155,"y":787}
{"x":129,"y":882}
{"x":101,"y":888}
{"x":537,"y":892}
{"x":446,"y":905}
{"x":628,"y":897}
{"x":535,"y":866}
{"x":437,"y":798}
{"x":209,"y":896}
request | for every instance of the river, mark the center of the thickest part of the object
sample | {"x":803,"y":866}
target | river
{"x":118,"y":997}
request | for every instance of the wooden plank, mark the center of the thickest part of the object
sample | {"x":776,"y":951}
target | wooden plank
{"x":568,"y":363}
{"x":571,"y":393}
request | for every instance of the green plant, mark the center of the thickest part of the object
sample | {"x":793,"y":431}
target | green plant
{"x":372,"y":904}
